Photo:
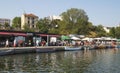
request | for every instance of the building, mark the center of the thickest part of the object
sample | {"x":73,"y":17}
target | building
{"x":3,"y":21}
{"x":107,"y":29}
{"x":29,"y":20}
{"x":54,"y":17}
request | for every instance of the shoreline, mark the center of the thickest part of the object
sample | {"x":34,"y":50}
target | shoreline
{"x":21,"y":50}
{"x":43,"y":49}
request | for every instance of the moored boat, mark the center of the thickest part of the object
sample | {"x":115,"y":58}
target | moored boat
{"x":72,"y":48}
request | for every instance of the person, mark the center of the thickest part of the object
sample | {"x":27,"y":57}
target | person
{"x":37,"y":43}
{"x":14,"y":43}
{"x":7,"y":43}
{"x":29,"y":42}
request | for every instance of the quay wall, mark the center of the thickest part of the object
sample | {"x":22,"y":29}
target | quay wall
{"x":43,"y":49}
{"x":21,"y":50}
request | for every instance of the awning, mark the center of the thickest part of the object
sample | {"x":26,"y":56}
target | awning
{"x":11,"y":33}
{"x":75,"y":38}
{"x":5,"y":33}
{"x":118,"y":40}
{"x":54,"y":35}
{"x":19,"y":34}
{"x":65,"y":37}
{"x":43,"y":35}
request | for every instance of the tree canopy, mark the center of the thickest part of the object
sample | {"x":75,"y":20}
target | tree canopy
{"x":16,"y":23}
{"x":73,"y":20}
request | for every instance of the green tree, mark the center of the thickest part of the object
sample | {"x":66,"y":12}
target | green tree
{"x":28,"y":29}
{"x":43,"y":25}
{"x":100,"y":31}
{"x":74,"y":21}
{"x":112,"y":32}
{"x":117,"y":32}
{"x":16,"y":23}
{"x":0,"y":26}
{"x":7,"y":26}
{"x":54,"y":26}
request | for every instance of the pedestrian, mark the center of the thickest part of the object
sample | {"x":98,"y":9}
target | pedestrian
{"x":37,"y":43}
{"x":14,"y":43}
{"x":7,"y":43}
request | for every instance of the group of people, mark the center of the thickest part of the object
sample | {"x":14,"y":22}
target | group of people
{"x":7,"y":43}
{"x":14,"y":43}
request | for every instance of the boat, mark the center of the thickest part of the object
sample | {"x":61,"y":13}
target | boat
{"x":72,"y":48}
{"x":6,"y":52}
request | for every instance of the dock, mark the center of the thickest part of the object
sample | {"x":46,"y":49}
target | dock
{"x":21,"y":50}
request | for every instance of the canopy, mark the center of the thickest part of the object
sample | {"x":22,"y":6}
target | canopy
{"x":87,"y":39}
{"x":118,"y":40}
{"x":75,"y":38}
{"x":64,"y":37}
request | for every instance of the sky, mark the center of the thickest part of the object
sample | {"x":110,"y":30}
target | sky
{"x":104,"y":12}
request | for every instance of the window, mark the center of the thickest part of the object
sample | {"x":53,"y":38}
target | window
{"x":28,"y":18}
{"x":28,"y":22}
{"x":32,"y":22}
{"x":33,"y":26}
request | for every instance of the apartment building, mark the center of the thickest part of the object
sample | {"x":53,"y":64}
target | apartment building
{"x":54,"y":18}
{"x":29,"y":20}
{"x":4,"y":21}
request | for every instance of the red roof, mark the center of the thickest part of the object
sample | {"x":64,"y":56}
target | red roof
{"x":31,"y":15}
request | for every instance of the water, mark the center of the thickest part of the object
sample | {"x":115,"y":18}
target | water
{"x":91,"y":61}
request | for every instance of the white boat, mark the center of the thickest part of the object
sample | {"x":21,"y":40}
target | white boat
{"x":72,"y":48}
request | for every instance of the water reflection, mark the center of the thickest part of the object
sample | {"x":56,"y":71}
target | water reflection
{"x":88,"y":61}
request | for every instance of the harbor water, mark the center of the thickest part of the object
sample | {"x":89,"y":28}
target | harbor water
{"x":83,"y":61}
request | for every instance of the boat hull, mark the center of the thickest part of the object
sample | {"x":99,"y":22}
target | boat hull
{"x":67,"y":48}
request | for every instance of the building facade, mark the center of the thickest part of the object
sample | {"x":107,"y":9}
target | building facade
{"x":107,"y":29}
{"x":3,"y":21}
{"x":29,"y":20}
{"x":54,"y":18}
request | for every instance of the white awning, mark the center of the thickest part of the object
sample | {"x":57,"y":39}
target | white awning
{"x":75,"y":38}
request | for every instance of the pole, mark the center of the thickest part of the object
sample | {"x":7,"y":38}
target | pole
{"x":47,"y":40}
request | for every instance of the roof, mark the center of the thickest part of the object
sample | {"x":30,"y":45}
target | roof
{"x":31,"y":15}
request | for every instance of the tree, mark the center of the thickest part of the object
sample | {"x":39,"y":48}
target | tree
{"x":16,"y":23}
{"x":117,"y":32}
{"x":43,"y":25}
{"x":28,"y":29}
{"x":100,"y":31}
{"x":0,"y":26}
{"x":7,"y":26}
{"x":112,"y":32}
{"x":54,"y":26}
{"x":74,"y":21}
